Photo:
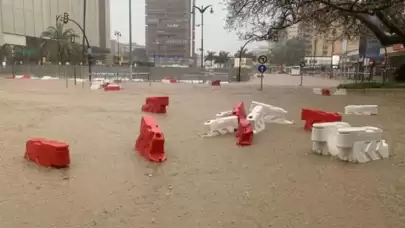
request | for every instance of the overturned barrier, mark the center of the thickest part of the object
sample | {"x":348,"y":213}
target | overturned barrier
{"x":221,"y":126}
{"x":256,"y":119}
{"x":155,"y":104}
{"x":150,"y":142}
{"x":239,"y":110}
{"x":312,"y":116}
{"x":244,"y":133}
{"x":47,"y":153}
{"x":361,"y":109}
{"x":272,"y":114}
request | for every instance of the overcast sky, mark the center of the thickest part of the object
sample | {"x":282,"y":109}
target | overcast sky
{"x":216,"y":37}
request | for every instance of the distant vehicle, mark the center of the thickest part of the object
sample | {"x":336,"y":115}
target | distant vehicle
{"x":295,"y":70}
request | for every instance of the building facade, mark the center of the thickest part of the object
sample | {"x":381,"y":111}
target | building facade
{"x":20,"y":19}
{"x":167,"y":35}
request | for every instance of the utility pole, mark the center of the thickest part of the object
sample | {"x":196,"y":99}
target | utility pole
{"x":202,"y":10}
{"x":130,"y":38}
{"x":84,"y":29}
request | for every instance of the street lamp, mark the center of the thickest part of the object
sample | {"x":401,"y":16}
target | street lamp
{"x":202,"y":10}
{"x":118,"y":35}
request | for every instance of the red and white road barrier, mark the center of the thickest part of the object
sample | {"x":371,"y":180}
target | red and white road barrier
{"x":330,"y":92}
{"x":28,"y":76}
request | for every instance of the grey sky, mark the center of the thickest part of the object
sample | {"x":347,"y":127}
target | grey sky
{"x":216,"y":37}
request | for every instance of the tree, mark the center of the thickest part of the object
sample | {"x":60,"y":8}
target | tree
{"x":290,"y":53}
{"x":384,"y":19}
{"x":222,"y":57}
{"x":210,"y":56}
{"x":64,"y":48}
{"x":246,"y":54}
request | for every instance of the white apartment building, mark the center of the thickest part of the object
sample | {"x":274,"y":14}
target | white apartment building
{"x":29,"y":18}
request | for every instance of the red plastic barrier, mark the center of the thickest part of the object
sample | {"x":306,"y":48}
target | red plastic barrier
{"x":173,"y":81}
{"x":216,"y":83}
{"x":26,"y":76}
{"x":155,"y":104}
{"x":244,"y":133}
{"x":311,"y":116}
{"x":325,"y":92}
{"x":239,"y":111}
{"x":109,"y":87}
{"x":150,"y":142}
{"x":48,"y":153}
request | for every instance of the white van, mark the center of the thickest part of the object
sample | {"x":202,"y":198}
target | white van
{"x":295,"y":70}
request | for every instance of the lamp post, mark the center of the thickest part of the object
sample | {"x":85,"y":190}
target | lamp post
{"x":202,"y":10}
{"x":130,"y":38}
{"x":118,"y":35}
{"x":240,"y":57}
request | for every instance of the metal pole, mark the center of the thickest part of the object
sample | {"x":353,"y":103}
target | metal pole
{"x":118,"y":41}
{"x":130,"y":38}
{"x":193,"y":37}
{"x":331,"y":58}
{"x":57,"y":43}
{"x":261,"y":81}
{"x":84,"y":29}
{"x":302,"y":77}
{"x":202,"y":38}
{"x":240,"y":63}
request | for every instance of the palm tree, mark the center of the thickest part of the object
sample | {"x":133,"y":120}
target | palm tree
{"x":222,"y":58}
{"x":63,"y":38}
{"x":210,"y":56}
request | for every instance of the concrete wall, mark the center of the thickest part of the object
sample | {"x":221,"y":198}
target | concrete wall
{"x":152,"y":73}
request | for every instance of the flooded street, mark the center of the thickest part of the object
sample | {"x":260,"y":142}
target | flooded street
{"x":206,"y":182}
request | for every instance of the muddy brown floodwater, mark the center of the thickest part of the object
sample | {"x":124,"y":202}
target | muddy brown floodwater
{"x":277,"y":182}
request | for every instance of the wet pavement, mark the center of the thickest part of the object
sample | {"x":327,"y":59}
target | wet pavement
{"x":277,"y":182}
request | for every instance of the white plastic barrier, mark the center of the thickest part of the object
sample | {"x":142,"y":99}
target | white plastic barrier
{"x":323,"y":137}
{"x":272,"y":114}
{"x":49,"y":78}
{"x":224,"y":114}
{"x":361,"y":109}
{"x":96,"y":85}
{"x":256,"y":119}
{"x":317,"y":91}
{"x":361,"y":144}
{"x":340,"y":92}
{"x":221,"y":126}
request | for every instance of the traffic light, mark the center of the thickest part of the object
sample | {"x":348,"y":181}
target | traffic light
{"x":65,"y":18}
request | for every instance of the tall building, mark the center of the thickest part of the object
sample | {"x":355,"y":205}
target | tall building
{"x":299,"y":30}
{"x":21,"y":19}
{"x":168,"y":36}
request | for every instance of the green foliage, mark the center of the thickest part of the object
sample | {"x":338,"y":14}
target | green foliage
{"x":290,"y":53}
{"x":222,"y":57}
{"x":210,"y":56}
{"x":63,"y":39}
{"x":372,"y":85}
{"x":246,"y":54}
